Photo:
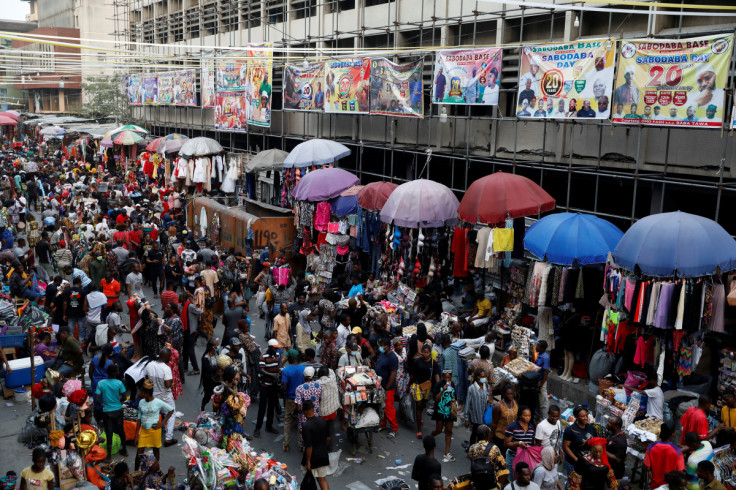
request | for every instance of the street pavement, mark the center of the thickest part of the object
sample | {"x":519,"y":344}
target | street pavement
{"x":391,"y":458}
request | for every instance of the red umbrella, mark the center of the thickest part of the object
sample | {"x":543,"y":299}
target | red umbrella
{"x":498,"y":196}
{"x":374,"y":195}
{"x":10,"y":115}
{"x":7,"y":121}
{"x":153,"y":145}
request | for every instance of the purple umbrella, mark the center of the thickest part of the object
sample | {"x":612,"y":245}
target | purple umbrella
{"x":107,"y":143}
{"x":323,"y":184}
{"x":421,"y":203}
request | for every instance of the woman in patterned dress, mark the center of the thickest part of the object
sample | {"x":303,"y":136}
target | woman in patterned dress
{"x":309,"y":390}
{"x":402,"y":376}
{"x":443,"y":415}
{"x":202,"y":295}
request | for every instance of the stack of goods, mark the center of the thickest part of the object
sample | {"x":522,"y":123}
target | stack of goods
{"x":361,"y":395}
{"x":518,"y":366}
{"x":520,"y":337}
{"x":724,"y":459}
{"x":211,"y":467}
{"x":727,"y":372}
{"x":502,"y":377}
{"x":649,"y":424}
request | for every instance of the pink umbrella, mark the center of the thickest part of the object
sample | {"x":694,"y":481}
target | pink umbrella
{"x":10,"y":115}
{"x":423,"y":203}
{"x":352,"y":191}
{"x":7,"y":121}
{"x":374,"y":195}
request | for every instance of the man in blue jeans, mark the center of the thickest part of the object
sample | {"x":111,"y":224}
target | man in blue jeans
{"x":71,"y":353}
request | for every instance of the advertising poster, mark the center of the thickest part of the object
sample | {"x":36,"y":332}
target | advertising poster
{"x":207,"y":76}
{"x":185,"y":88}
{"x":677,"y":82}
{"x":135,"y":90}
{"x":165,"y":87}
{"x":347,"y":86}
{"x":150,"y":89}
{"x":467,"y":77}
{"x":258,"y":84}
{"x":303,"y":88}
{"x":230,"y":112}
{"x":396,"y":90}
{"x":573,"y":80}
{"x":231,"y":71}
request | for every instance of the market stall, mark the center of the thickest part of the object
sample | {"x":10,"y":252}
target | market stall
{"x":363,"y":402}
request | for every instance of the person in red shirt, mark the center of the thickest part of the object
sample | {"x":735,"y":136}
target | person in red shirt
{"x":663,"y":456}
{"x":695,"y":420}
{"x":122,"y":235}
{"x":110,"y":288}
{"x":169,"y":296}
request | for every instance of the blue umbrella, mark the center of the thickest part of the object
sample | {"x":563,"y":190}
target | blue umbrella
{"x":344,"y":205}
{"x":570,"y":238}
{"x":678,"y":243}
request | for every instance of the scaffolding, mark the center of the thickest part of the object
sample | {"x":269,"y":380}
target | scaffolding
{"x":621,"y":173}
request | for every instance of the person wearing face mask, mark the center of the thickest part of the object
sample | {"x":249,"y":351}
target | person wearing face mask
{"x":351,"y":356}
{"x":476,"y":402}
{"x":387,"y":367}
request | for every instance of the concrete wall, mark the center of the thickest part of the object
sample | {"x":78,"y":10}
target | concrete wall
{"x":55,"y":13}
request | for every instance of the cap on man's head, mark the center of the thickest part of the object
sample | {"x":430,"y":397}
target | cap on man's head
{"x":356,"y":330}
{"x":273,"y":343}
{"x":309,"y":372}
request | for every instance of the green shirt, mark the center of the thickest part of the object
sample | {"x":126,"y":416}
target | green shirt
{"x":265,"y":87}
{"x":110,"y":391}
{"x":69,"y":350}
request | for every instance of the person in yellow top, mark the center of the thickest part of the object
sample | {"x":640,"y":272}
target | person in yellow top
{"x":728,"y":412}
{"x":37,"y":476}
{"x":482,"y":312}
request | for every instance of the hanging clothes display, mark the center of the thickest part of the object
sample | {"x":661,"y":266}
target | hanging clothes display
{"x":233,"y":172}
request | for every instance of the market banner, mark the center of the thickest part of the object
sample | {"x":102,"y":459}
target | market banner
{"x":396,"y":90}
{"x":185,"y":88}
{"x":135,"y":90}
{"x":150,"y":89}
{"x":303,"y":88}
{"x":230,"y":112}
{"x":207,"y":76}
{"x":231,"y":71}
{"x":347,"y":86}
{"x":572,"y":80}
{"x":467,"y":77}
{"x":165,"y":87}
{"x":258,"y":84}
{"x":677,"y":82}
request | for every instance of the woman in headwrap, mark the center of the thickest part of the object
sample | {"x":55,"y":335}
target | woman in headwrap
{"x":545,"y":473}
{"x":417,"y":341}
{"x":592,"y":470}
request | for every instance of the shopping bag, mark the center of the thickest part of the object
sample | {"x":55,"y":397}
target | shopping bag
{"x":406,"y":405}
{"x":309,"y":482}
{"x":488,"y":415}
{"x":334,"y":461}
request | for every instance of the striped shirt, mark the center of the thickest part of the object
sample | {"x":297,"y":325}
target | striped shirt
{"x":518,"y":434}
{"x":268,"y":364}
{"x":476,"y":403}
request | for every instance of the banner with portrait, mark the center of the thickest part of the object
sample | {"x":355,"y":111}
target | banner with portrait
{"x":572,"y":80}
{"x":347,"y":86}
{"x":303,"y":88}
{"x":135,"y":90}
{"x":166,"y":87}
{"x":231,"y":71}
{"x":230,"y":112}
{"x":207,"y":77}
{"x":677,"y":82}
{"x":258,"y":84}
{"x":150,"y":89}
{"x":396,"y":89}
{"x":185,"y":88}
{"x":467,"y":77}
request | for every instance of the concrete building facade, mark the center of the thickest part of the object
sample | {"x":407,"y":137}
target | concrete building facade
{"x":10,"y":96}
{"x":623,"y":173}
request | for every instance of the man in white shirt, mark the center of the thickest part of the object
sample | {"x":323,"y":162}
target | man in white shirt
{"x":351,"y":356}
{"x":93,"y":303}
{"x":160,"y":373}
{"x":487,"y":340}
{"x":655,"y":397}
{"x":134,"y":280}
{"x":343,"y":330}
{"x":549,"y":430}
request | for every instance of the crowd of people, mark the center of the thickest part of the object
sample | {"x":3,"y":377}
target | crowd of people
{"x":86,"y":240}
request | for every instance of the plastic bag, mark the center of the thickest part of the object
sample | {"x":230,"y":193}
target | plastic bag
{"x":309,"y":482}
{"x":334,"y":461}
{"x":488,"y":415}
{"x":531,"y":455}
{"x":406,"y":405}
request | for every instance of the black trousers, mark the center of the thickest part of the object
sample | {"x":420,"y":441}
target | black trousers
{"x":269,"y":398}
{"x":114,"y":425}
{"x":190,"y":341}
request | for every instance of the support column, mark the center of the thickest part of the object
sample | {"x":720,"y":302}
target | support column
{"x":62,"y":101}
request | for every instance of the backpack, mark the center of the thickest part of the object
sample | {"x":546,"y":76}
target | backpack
{"x":481,"y":469}
{"x":226,"y":277}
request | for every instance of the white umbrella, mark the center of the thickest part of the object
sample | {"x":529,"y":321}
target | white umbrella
{"x":421,"y":202}
{"x":266,"y":160}
{"x":199,"y":147}
{"x":315,"y":152}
